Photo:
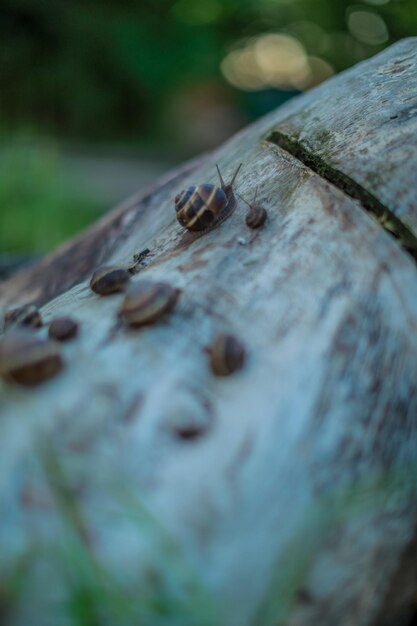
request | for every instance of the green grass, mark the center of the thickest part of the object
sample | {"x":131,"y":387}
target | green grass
{"x":40,"y":205}
{"x":84,"y":591}
{"x":172,"y":594}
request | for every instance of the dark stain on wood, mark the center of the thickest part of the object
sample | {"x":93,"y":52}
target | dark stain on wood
{"x":192,"y":264}
{"x":132,"y":409}
{"x":243,"y":453}
{"x":396,"y":68}
{"x":341,"y":288}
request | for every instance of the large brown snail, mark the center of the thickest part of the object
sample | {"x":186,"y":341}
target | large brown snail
{"x":203,"y":207}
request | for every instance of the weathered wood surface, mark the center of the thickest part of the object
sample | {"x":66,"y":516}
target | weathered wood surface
{"x":298,"y":504}
{"x":365,"y":128}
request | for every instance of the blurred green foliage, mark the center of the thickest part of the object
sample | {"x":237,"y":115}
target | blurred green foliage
{"x":40,"y":205}
{"x":148,"y":73}
{"x":107,"y":70}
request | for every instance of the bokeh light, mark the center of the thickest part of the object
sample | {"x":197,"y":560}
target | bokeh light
{"x":368,"y":27}
{"x":125,"y":89}
{"x":274,"y":60}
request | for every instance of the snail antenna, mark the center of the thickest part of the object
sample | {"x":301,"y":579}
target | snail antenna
{"x":220,"y":176}
{"x":242,"y":198}
{"x":234,"y":176}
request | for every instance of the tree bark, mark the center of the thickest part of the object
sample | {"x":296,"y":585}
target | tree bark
{"x":295,"y":500}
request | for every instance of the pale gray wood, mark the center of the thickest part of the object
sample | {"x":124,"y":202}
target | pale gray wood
{"x":297,"y":503}
{"x":364,"y":124}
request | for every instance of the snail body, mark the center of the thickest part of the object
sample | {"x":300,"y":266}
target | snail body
{"x":201,"y":208}
{"x":107,"y":280}
{"x":28,"y":360}
{"x":227,"y":355}
{"x":146,"y":302}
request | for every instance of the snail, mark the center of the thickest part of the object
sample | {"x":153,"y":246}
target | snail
{"x":26,"y":315}
{"x":204,"y":207}
{"x":27,"y":359}
{"x":256,"y":215}
{"x":227,"y":355}
{"x":107,"y":280}
{"x":146,"y":302}
{"x":63,"y":329}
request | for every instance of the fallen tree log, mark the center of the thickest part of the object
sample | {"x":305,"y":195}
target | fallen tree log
{"x":136,"y":487}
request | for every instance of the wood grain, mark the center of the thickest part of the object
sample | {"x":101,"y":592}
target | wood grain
{"x":363,"y":124}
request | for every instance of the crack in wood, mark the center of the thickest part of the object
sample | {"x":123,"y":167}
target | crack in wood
{"x":384,"y":216}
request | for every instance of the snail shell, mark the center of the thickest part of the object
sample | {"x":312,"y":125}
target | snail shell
{"x":227,"y":355}
{"x":107,"y":280}
{"x":256,"y":216}
{"x":146,"y":302}
{"x":26,"y":315}
{"x":27,"y":359}
{"x":200,"y":208}
{"x":197,"y":208}
{"x":63,"y":328}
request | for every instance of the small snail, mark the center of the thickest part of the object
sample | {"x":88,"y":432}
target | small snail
{"x":227,"y":355}
{"x":256,"y":215}
{"x":63,"y":328}
{"x":146,"y":302}
{"x":27,"y":359}
{"x":26,"y":315}
{"x":107,"y":280}
{"x":204,"y":207}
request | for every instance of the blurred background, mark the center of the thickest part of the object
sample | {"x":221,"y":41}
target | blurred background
{"x":99,"y":98}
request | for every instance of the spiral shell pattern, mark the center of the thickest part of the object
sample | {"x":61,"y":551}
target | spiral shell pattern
{"x":198,"y":207}
{"x":147,"y":301}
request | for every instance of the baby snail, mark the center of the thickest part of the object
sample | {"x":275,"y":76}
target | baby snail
{"x":204,"y":207}
{"x":107,"y":280}
{"x":227,"y":355}
{"x":146,"y":302}
{"x":63,"y":329}
{"x":26,"y":315}
{"x":256,"y":215}
{"x":28,"y":360}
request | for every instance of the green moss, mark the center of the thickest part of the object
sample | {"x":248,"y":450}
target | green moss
{"x":322,"y":138}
